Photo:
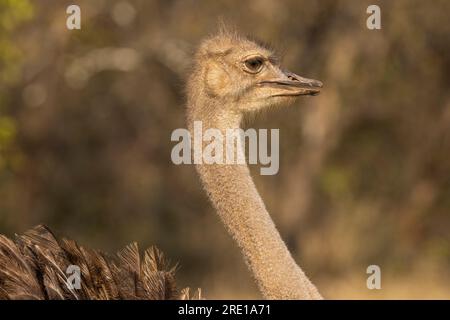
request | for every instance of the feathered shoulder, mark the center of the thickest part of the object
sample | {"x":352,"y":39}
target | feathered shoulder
{"x":37,"y":265}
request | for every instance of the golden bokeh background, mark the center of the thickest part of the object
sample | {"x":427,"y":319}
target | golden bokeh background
{"x":86,"y":117}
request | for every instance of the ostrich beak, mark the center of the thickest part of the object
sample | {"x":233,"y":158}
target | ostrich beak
{"x":291,"y":84}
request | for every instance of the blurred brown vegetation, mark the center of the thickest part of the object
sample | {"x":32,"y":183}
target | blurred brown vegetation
{"x":86,"y":118}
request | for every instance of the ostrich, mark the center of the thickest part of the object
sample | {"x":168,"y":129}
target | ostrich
{"x":232,"y":76}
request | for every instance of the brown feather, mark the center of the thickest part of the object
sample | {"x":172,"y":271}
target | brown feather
{"x":17,"y":277}
{"x":34,"y":267}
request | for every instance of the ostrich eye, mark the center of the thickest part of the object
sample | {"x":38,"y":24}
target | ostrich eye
{"x":254,"y":65}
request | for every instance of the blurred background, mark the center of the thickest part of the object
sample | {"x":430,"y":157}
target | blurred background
{"x":86,"y":117}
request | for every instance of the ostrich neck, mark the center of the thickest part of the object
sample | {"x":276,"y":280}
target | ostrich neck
{"x":240,"y":207}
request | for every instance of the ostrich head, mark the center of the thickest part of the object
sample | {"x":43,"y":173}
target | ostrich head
{"x":245,"y":76}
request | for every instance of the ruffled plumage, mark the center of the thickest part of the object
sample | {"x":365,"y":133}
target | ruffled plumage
{"x":35,"y":266}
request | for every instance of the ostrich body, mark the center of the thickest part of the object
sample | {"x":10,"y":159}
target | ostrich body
{"x":232,"y":76}
{"x":36,"y":265}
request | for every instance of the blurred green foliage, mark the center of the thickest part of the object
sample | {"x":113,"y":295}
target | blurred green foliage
{"x":12,"y":14}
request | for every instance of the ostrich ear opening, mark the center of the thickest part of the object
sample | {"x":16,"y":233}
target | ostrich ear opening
{"x":216,"y":81}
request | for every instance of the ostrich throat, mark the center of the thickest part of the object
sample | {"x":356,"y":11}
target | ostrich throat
{"x":242,"y":210}
{"x":227,"y":146}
